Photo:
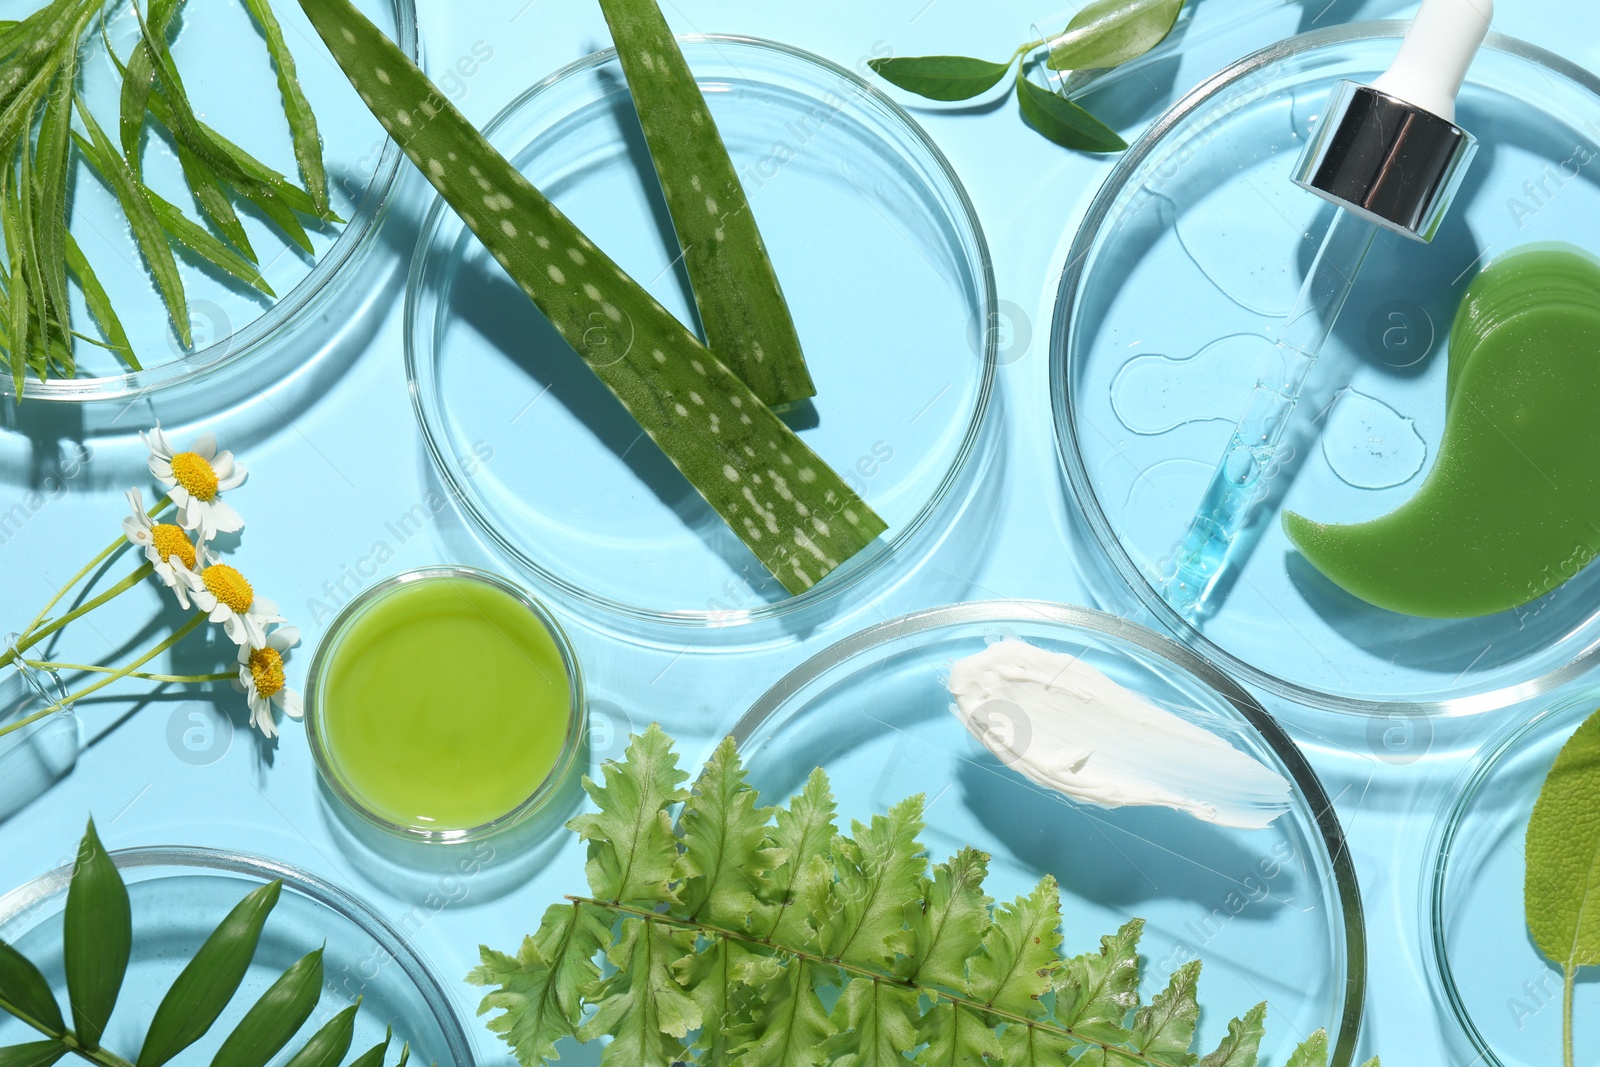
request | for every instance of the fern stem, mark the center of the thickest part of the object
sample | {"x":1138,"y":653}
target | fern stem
{"x":933,"y":992}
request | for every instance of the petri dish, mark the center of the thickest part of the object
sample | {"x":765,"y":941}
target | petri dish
{"x":883,"y":264}
{"x":477,"y":737}
{"x":1275,"y":914}
{"x":178,"y":895}
{"x":1200,"y":221}
{"x":233,"y":86}
{"x":1503,"y":995}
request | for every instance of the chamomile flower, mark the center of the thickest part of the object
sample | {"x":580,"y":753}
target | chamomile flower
{"x":261,"y":678}
{"x":227,"y":597}
{"x":195,"y":480}
{"x":166,"y":546}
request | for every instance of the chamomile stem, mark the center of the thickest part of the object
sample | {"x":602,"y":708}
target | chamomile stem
{"x":122,"y":672}
{"x":1569,"y":975}
{"x":40,"y":634}
{"x":51,"y":665}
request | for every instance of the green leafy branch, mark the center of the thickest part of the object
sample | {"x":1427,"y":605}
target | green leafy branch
{"x":40,"y":59}
{"x":97,"y":941}
{"x":1104,"y":34}
{"x":725,"y":935}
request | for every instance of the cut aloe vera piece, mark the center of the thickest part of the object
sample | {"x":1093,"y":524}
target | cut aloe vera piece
{"x":746,"y":320}
{"x":794,"y":512}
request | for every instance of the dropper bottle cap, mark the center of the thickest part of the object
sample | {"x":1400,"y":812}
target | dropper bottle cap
{"x":1391,"y":151}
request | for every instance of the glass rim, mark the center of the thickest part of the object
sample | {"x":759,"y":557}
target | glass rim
{"x":354,"y":240}
{"x":327,"y":769}
{"x":976,"y":249}
{"x":17,"y":903}
{"x":1315,"y":797}
{"x":1073,"y":465}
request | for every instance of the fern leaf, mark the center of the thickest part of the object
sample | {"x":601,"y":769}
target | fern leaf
{"x":789,"y":1026}
{"x":1019,"y":952}
{"x":1096,"y":991}
{"x":1239,"y":1048}
{"x":640,"y":1005}
{"x":540,"y":988}
{"x":713,"y":977}
{"x":955,"y":1036}
{"x":879,"y":874}
{"x":1027,"y":1046}
{"x":945,"y":929}
{"x":1164,"y":1028}
{"x":1313,"y":1052}
{"x":877,"y":1023}
{"x":724,"y":844}
{"x":799,"y":842}
{"x":632,"y":849}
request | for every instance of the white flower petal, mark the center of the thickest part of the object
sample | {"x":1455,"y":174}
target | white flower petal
{"x":289,"y":701}
{"x":223,"y":518}
{"x":205,"y":446}
{"x":284,"y":638}
{"x":222,"y":466}
{"x":220,"y":612}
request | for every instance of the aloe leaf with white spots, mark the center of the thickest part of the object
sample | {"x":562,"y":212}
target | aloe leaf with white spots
{"x":742,"y":309}
{"x":795,"y":513}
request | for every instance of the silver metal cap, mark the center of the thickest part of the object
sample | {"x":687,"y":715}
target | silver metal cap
{"x":1387,"y":160}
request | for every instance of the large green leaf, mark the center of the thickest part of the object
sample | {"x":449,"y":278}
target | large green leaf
{"x":1108,"y":33}
{"x":1561,"y":891}
{"x":1019,"y":952}
{"x":639,"y":1004}
{"x":1096,"y":991}
{"x":724,"y":854}
{"x":296,"y":108}
{"x":1164,"y":1028}
{"x":26,"y":994}
{"x":97,"y":939}
{"x":878,"y":871}
{"x":947,"y":926}
{"x":275,"y":1017}
{"x":941,"y":77}
{"x":373,"y":1057}
{"x":328,"y":1045}
{"x":32,"y":1054}
{"x":789,"y":1026}
{"x":876,"y":1024}
{"x":632,"y":849}
{"x":801,"y":836}
{"x":208,"y":982}
{"x":1239,"y":1048}
{"x":1064,"y":122}
{"x":715,"y":978}
{"x":541,"y":988}
{"x":99,"y":304}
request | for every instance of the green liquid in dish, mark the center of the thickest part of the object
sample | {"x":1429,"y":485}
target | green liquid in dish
{"x":1511,"y":508}
{"x":445,"y":704}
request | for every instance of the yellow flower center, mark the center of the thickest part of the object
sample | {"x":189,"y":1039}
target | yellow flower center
{"x":266,"y":667}
{"x":195,"y":473}
{"x":228,"y":586}
{"x":169,"y":541}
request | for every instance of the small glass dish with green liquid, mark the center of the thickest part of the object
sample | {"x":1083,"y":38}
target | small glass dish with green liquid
{"x":444,"y":705}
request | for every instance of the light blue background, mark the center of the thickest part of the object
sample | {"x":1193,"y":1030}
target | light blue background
{"x":335,"y":455}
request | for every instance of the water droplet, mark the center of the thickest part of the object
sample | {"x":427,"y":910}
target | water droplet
{"x":1154,"y":393}
{"x":1370,"y":445}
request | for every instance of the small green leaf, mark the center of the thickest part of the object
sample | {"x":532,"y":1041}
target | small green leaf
{"x":26,"y":994}
{"x":947,"y":926}
{"x":276,"y":1017}
{"x":97,"y":938}
{"x":1108,"y":33}
{"x":790,"y":1027}
{"x":1060,"y":120}
{"x":1029,"y":1046}
{"x":941,"y":77}
{"x":1562,"y":882}
{"x":540,"y":989}
{"x":712,"y":977}
{"x":724,"y":844}
{"x":878,"y":871}
{"x":876,"y":1023}
{"x":1020,"y":951}
{"x":1239,"y":1048}
{"x":1164,"y":1028}
{"x":33,"y":1054}
{"x":296,"y":108}
{"x":955,"y":1036}
{"x":329,"y":1044}
{"x":803,"y":832}
{"x":640,"y":1005}
{"x":1096,"y":991}
{"x":632,"y":849}
{"x":1312,"y":1052}
{"x":211,"y":194}
{"x":373,"y":1057}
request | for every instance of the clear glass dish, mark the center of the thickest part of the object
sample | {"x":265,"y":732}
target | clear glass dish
{"x":883,"y":264}
{"x":1275,"y":914}
{"x":179,"y":895}
{"x":327,"y":762}
{"x":1503,"y":995}
{"x":232,"y":83}
{"x":1189,"y":258}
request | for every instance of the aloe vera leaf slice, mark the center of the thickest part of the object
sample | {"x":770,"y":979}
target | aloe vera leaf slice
{"x":746,"y":319}
{"x":296,"y":108}
{"x":796,"y":514}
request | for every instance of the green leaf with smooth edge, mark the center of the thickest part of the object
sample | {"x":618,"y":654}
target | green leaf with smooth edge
{"x":1312,"y":1052}
{"x":1239,"y":1048}
{"x":1108,"y":33}
{"x":373,"y":1057}
{"x":25,"y":993}
{"x":947,"y":925}
{"x":33,"y":1054}
{"x":876,"y":1022}
{"x":941,"y":77}
{"x":640,"y":1005}
{"x":208,"y":982}
{"x":211,"y":194}
{"x":147,"y":231}
{"x":97,"y":937}
{"x":1164,"y":1028}
{"x":746,"y":320}
{"x":802,"y":833}
{"x":1096,"y":991}
{"x":275,"y":1017}
{"x":632,"y":849}
{"x":878,"y":871}
{"x":1019,"y":952}
{"x":296,"y":108}
{"x":1561,"y":889}
{"x":724,"y":835}
{"x":541,"y":988}
{"x":1060,"y":120}
{"x":789,"y":1026}
{"x":328,"y":1045}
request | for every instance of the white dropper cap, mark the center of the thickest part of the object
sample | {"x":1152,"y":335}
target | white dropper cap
{"x":1437,"y":51}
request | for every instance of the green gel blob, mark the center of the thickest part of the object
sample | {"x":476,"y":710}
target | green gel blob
{"x":444,"y":705}
{"x":1511,"y":508}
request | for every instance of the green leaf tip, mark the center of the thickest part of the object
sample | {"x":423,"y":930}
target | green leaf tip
{"x":97,"y":939}
{"x":1065,"y":123}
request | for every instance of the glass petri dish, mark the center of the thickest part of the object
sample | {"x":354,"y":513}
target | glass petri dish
{"x":233,"y":86}
{"x":883,"y":264}
{"x":343,"y":780}
{"x":1503,"y":996}
{"x":1188,"y":261}
{"x":178,"y":895}
{"x":1275,"y":914}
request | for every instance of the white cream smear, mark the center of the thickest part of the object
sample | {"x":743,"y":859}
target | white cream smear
{"x":1067,"y":726}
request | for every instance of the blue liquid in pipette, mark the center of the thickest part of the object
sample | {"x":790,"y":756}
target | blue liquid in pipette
{"x":1239,"y":479}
